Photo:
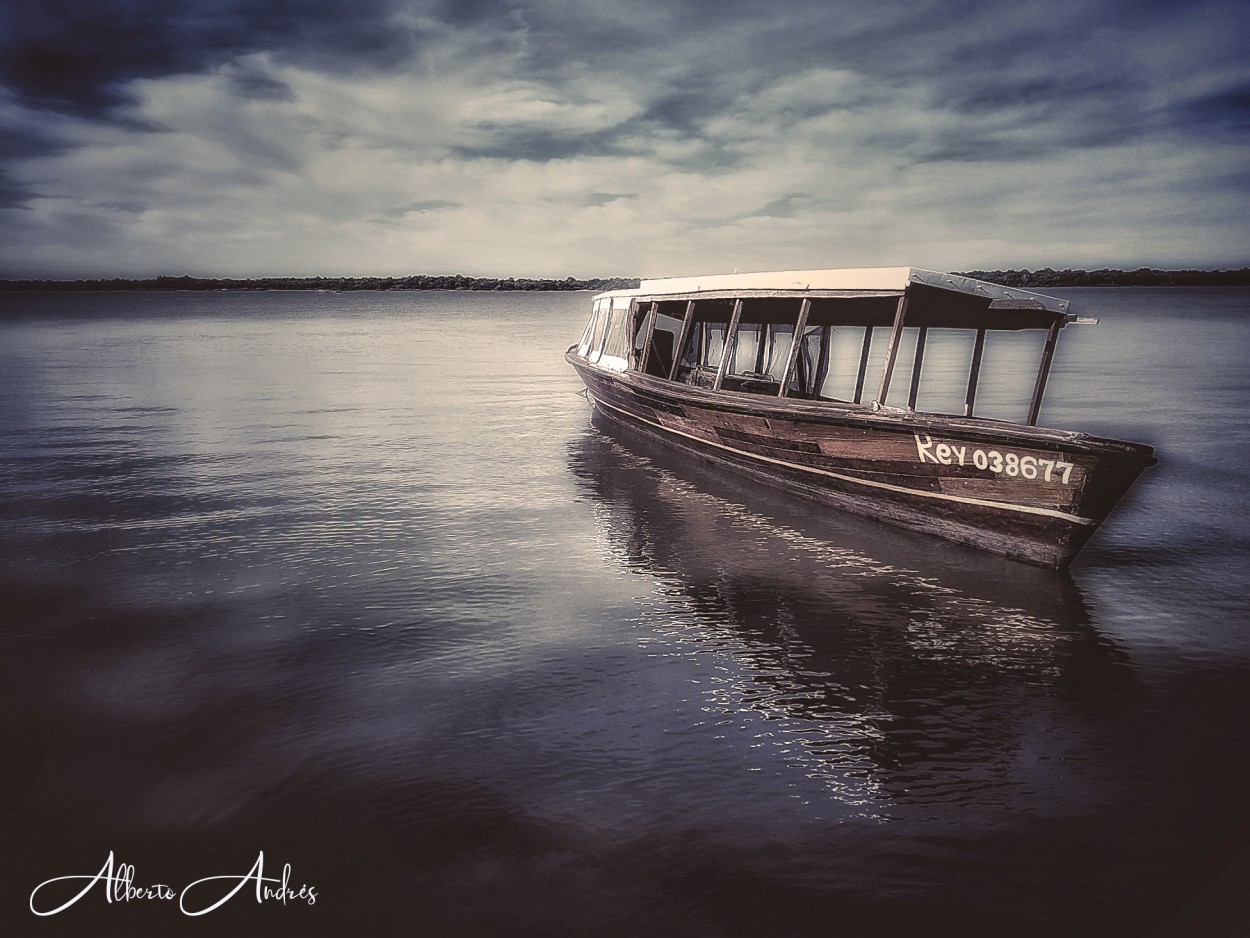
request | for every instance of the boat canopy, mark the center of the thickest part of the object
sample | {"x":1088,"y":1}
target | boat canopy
{"x":868,"y":297}
{"x":771,"y":333}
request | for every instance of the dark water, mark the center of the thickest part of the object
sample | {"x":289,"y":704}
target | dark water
{"x":354,"y":580}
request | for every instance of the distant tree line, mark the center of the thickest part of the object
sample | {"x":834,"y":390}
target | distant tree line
{"x":1142,"y":277}
{"x":422,"y":282}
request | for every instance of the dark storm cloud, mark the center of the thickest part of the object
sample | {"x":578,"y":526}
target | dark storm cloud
{"x":75,"y":55}
{"x":690,"y":61}
{"x":985,"y":94}
{"x":21,"y":146}
{"x":539,"y":145}
{"x":1010,"y":118}
{"x":688,"y":107}
{"x":25,"y":145}
{"x":11,"y":195}
{"x":1083,"y":72}
{"x":1227,"y":109}
{"x":254,"y":85}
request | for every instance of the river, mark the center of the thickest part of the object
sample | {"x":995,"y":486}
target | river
{"x":355,"y":583}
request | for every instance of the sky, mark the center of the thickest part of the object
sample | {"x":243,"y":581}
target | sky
{"x":602,"y":138}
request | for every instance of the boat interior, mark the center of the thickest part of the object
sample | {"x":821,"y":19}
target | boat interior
{"x":684,"y":339}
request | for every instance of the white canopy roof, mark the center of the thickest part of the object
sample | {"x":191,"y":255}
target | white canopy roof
{"x":863,"y":281}
{"x":864,"y":278}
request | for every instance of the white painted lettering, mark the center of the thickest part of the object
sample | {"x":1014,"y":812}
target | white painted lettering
{"x":923,"y":447}
{"x":1006,"y":462}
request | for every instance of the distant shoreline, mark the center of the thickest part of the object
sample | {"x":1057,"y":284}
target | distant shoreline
{"x":1142,"y":277}
{"x":327,"y":284}
{"x":1025,"y":279}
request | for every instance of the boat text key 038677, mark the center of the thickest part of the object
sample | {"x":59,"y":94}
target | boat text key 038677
{"x":767,"y":375}
{"x":1009,"y":463}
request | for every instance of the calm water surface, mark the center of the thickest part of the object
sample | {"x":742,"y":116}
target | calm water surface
{"x":357,"y":581}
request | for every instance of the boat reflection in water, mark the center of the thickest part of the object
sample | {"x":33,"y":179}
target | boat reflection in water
{"x":901,"y":670}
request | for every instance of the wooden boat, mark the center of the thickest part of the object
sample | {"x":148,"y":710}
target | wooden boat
{"x":711,"y":366}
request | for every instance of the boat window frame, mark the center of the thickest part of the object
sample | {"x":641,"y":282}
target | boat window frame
{"x":617,"y":336}
{"x":653,"y":354}
{"x":584,"y":343}
{"x":692,"y":354}
{"x":603,"y":317}
{"x":643,"y":324}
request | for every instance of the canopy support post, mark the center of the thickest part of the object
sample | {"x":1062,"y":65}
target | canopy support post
{"x":915,"y":368}
{"x":727,"y":352}
{"x":1043,"y":371}
{"x":646,"y":343}
{"x":891,"y":354}
{"x":863,"y":364}
{"x":974,"y":373}
{"x":679,"y":350}
{"x":804,"y":308}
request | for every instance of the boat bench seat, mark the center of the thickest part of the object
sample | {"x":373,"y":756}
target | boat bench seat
{"x":752,"y":383}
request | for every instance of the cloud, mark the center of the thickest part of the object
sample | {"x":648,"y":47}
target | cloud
{"x":79,"y":57}
{"x":543,"y":138}
{"x":1226,"y":109}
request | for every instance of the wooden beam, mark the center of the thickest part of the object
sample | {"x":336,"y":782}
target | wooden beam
{"x":891,"y":353}
{"x":915,"y":368}
{"x":646,"y":343}
{"x":863,"y":364}
{"x":631,"y":354}
{"x":804,"y":308}
{"x":974,"y":373}
{"x":761,"y":346}
{"x":679,"y":351}
{"x":727,"y":352}
{"x":822,"y":360}
{"x":1043,"y":371}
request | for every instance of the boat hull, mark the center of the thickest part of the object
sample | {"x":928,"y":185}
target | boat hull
{"x":1029,"y":493}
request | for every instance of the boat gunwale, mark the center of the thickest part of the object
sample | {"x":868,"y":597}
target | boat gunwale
{"x":866,"y":415}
